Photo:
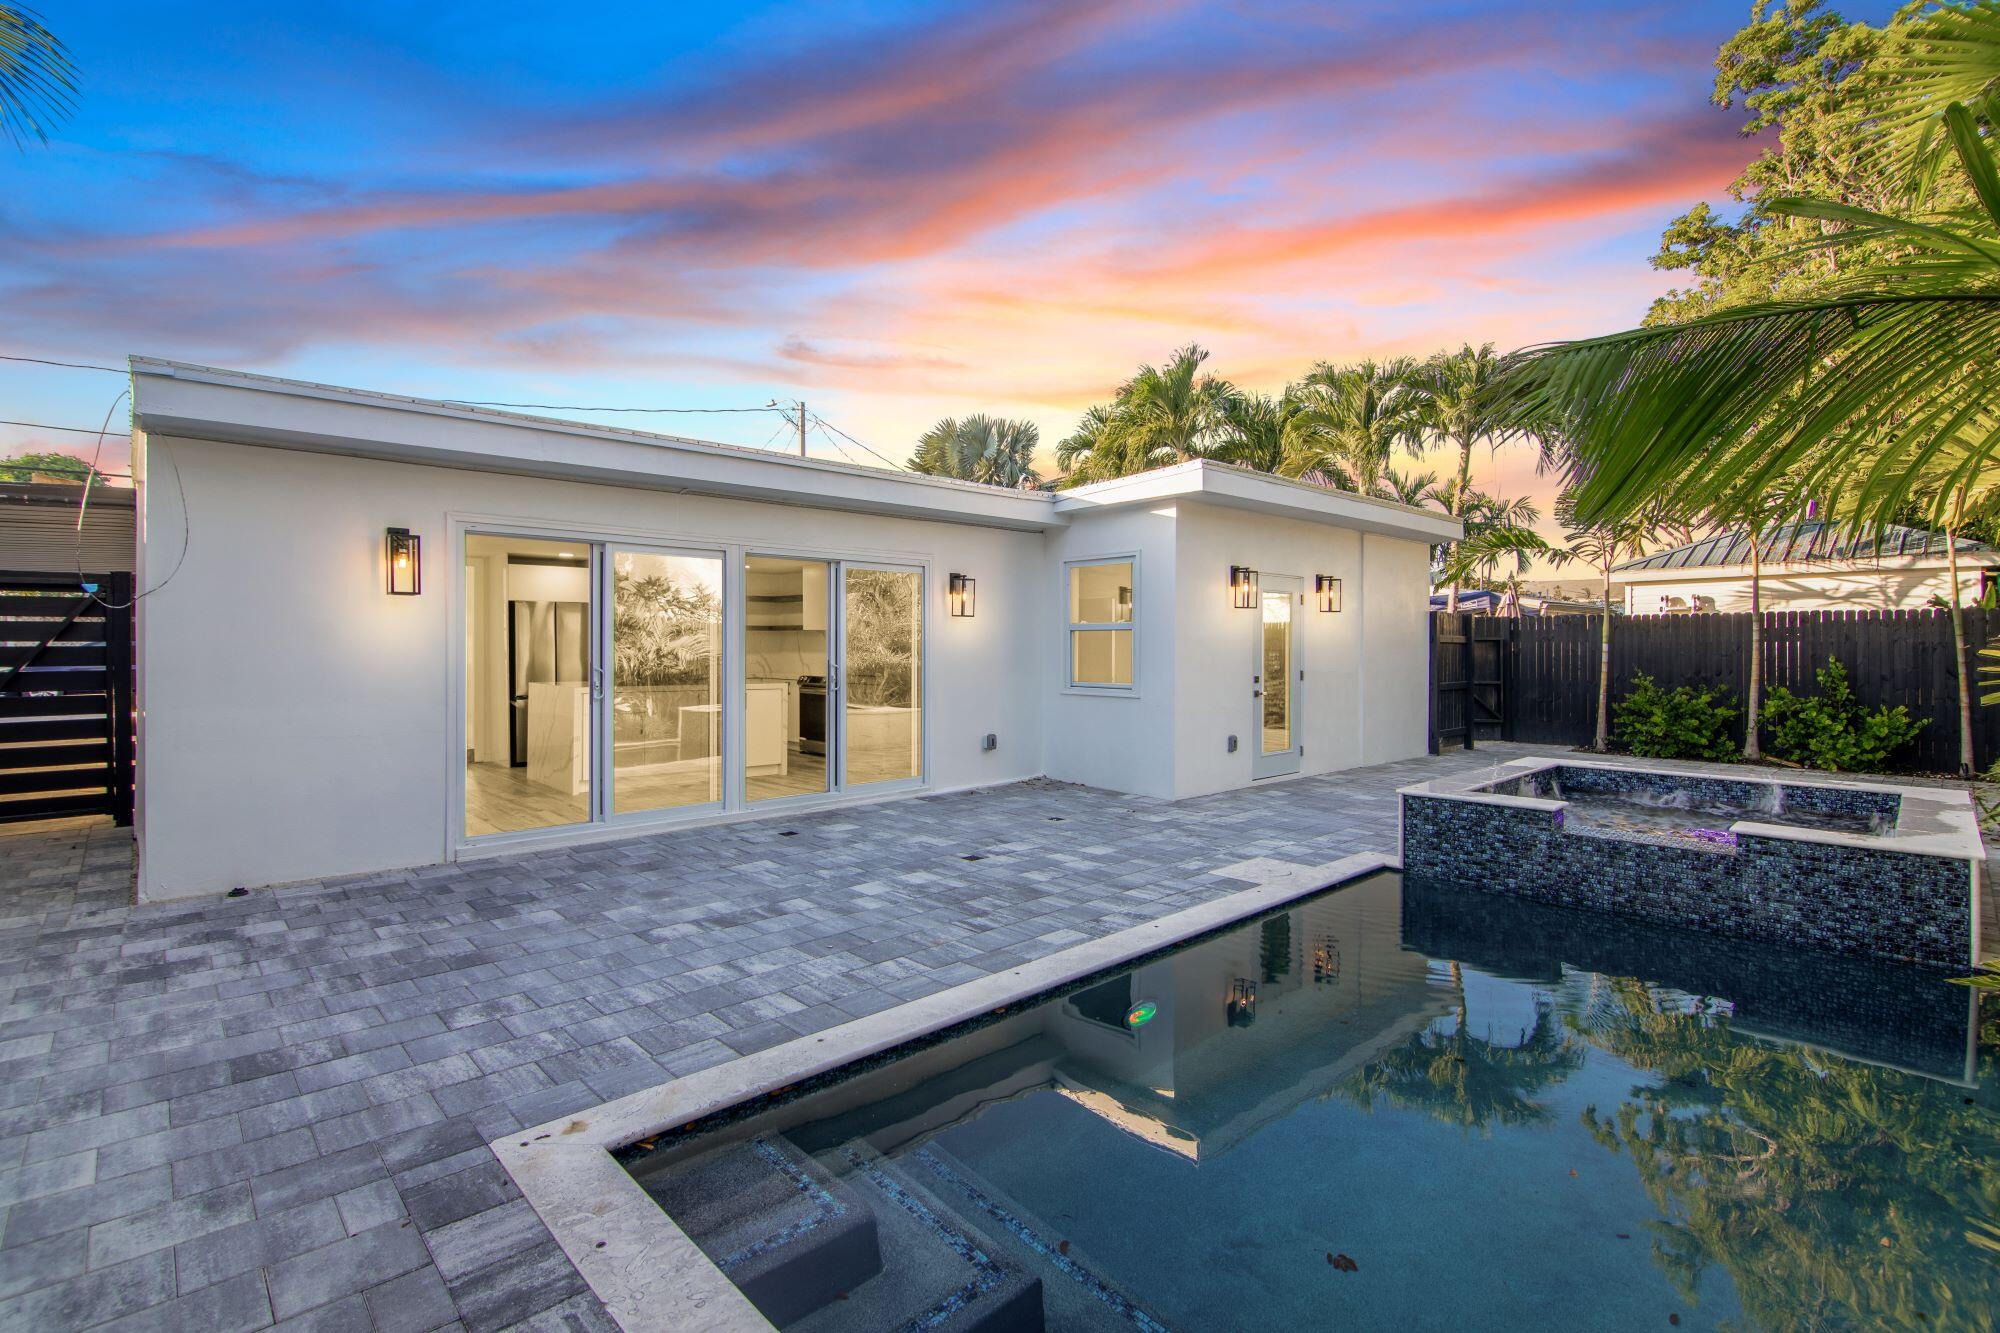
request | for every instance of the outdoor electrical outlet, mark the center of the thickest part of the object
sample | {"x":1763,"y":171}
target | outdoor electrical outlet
{"x":1232,"y":745}
{"x":992,"y":742}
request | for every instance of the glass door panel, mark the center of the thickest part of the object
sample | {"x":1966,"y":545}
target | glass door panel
{"x":787,"y":728}
{"x":667,"y":728}
{"x":1276,"y":679}
{"x":882,"y":668}
{"x":530,"y":624}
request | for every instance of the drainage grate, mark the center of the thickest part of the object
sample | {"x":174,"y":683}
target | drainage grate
{"x":789,"y":833}
{"x":973,"y":856}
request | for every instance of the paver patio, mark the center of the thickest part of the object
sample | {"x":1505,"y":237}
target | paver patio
{"x":230,"y":1113}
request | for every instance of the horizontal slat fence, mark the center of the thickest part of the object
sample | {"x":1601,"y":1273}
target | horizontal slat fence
{"x":65,"y":696}
{"x":1892,"y":657}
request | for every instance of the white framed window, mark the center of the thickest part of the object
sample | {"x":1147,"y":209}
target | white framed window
{"x":1101,"y":626}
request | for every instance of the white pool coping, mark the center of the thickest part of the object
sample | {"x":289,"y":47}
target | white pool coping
{"x":644,"y":1268}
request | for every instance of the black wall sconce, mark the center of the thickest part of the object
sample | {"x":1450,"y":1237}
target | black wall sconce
{"x":1243,"y":587}
{"x":405,"y":551}
{"x":1328,"y":588}
{"x":961,"y":593}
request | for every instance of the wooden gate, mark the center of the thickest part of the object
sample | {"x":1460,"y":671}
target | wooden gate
{"x":1469,"y":679}
{"x":65,"y":696}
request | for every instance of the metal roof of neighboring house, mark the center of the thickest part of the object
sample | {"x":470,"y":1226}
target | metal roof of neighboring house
{"x":39,"y":533}
{"x":1812,"y":543}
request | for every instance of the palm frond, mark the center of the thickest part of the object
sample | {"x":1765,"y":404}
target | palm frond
{"x":37,"y":77}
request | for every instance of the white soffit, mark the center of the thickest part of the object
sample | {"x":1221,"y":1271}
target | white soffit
{"x":234,"y":407}
{"x":1260,"y":492}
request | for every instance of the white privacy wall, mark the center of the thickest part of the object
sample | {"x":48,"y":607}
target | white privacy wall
{"x":299,"y":722}
{"x":1363,"y":700}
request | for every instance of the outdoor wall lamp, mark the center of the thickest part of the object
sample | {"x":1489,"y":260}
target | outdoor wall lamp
{"x":961,"y":594}
{"x":1243,"y":587}
{"x":1328,"y":588}
{"x":405,"y":552}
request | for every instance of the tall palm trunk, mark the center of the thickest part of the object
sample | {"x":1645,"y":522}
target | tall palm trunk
{"x":1603,"y":741}
{"x":1753,"y":747}
{"x":1965,"y":755}
{"x":1458,"y":508}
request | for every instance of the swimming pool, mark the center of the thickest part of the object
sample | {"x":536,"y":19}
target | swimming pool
{"x":1380,"y":1107}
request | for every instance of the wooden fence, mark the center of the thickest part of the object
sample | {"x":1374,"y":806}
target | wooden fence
{"x":65,"y":696}
{"x":1548,"y":668}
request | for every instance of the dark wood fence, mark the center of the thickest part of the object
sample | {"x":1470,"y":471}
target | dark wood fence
{"x":65,"y":696}
{"x":1549,"y":668}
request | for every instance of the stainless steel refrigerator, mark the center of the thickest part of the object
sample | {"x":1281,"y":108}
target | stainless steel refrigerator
{"x":546,"y":642}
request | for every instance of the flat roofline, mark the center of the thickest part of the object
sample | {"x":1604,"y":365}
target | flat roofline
{"x":240,"y":407}
{"x":1207,"y":481}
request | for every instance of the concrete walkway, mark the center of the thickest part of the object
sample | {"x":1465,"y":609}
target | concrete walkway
{"x":232,"y":1113}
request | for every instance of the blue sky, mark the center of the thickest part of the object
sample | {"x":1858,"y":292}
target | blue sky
{"x":895,"y":212}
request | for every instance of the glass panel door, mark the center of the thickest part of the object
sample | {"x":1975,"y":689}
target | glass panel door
{"x":1276,"y":679}
{"x":882,"y":673}
{"x":667,"y":726}
{"x":787,"y":727}
{"x":530,"y":626}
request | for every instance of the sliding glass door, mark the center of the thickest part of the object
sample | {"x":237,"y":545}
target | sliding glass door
{"x":882,"y":674}
{"x":608,"y":681}
{"x":667,"y":724}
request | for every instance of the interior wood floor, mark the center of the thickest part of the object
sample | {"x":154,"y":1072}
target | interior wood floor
{"x":500,"y":799}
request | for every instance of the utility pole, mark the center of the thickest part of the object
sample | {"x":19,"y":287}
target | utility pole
{"x":802,"y":428}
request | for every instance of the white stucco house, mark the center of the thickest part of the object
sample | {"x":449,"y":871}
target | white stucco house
{"x":381,"y":632}
{"x":1807,"y":567}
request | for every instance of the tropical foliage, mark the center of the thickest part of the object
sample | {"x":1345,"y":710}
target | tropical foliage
{"x":1161,"y":416}
{"x":37,"y":77}
{"x":45,"y":463}
{"x":1681,"y":723}
{"x":1832,"y":729}
{"x":997,"y":451}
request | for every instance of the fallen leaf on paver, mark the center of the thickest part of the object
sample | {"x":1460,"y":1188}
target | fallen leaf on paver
{"x":1062,"y":1247}
{"x":1674,"y":1319}
{"x":576,"y":1126}
{"x":1342,"y":1264}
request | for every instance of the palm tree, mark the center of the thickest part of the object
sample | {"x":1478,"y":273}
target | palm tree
{"x":1352,"y":422}
{"x":37,"y":78}
{"x":1456,"y":404}
{"x":1259,"y":426}
{"x":997,"y":451}
{"x":1601,"y":545}
{"x":1161,"y":416}
{"x":1411,"y":488}
{"x":1899,"y":348}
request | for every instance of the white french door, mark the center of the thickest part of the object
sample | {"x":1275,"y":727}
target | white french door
{"x":878,"y":678}
{"x":1277,"y":675}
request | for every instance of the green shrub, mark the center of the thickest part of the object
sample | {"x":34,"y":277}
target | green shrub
{"x":1831,"y":729}
{"x":1681,"y":723}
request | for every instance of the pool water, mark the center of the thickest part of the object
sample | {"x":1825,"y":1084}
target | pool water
{"x":1421,"y":1108}
{"x":1694,"y":821}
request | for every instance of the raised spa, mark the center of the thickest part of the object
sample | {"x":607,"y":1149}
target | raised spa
{"x":1848,"y":867}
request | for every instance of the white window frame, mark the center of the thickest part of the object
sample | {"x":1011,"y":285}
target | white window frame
{"x":1072,"y":627}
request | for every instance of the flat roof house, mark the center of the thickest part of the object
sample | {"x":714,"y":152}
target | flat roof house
{"x":1807,"y":567}
{"x":381,"y":632}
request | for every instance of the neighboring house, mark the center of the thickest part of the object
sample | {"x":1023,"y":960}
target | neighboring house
{"x":39,"y":532}
{"x":616,"y":632}
{"x":1807,"y":567}
{"x":1500,"y":602}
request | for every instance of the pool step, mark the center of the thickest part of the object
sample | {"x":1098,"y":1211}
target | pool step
{"x":1078,"y":1292}
{"x":946,"y":1274}
{"x":790,"y":1235}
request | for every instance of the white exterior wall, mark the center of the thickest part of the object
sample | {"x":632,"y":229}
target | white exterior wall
{"x":299,"y":722}
{"x":1121,"y":739}
{"x":1821,"y":588}
{"x":1366,"y":666}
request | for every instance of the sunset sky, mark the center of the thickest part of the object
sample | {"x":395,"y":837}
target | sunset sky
{"x":895,"y":212}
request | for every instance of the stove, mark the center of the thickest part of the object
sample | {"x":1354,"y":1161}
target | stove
{"x":812,"y":714}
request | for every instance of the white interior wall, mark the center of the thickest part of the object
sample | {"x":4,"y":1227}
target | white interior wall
{"x":1121,"y":739}
{"x":298,"y":721}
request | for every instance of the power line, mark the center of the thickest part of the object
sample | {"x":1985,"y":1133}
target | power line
{"x":38,"y":425}
{"x":851,"y":440}
{"x":67,"y":365}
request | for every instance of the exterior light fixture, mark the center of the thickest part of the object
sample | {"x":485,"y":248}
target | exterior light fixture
{"x":1328,"y":588}
{"x":961,"y":594}
{"x":405,"y":551}
{"x":1243,"y":587}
